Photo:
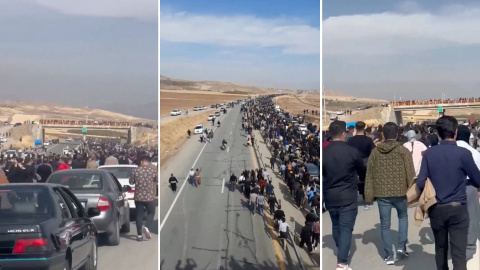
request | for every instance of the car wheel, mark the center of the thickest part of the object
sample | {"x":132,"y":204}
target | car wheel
{"x":114,"y":237}
{"x":67,"y":265}
{"x":126,"y":227}
{"x":93,"y":258}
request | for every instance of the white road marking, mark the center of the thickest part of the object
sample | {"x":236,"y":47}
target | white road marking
{"x":228,"y":149}
{"x":183,"y":185}
{"x":230,"y":133}
{"x":223,"y":185}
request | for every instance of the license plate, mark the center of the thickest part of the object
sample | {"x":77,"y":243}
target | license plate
{"x":83,"y":204}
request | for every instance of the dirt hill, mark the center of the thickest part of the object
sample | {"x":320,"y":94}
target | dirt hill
{"x":213,"y":86}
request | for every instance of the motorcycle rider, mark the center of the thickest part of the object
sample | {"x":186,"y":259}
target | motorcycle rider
{"x":218,"y":123}
{"x":224,"y":143}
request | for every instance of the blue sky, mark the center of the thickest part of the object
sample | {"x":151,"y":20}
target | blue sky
{"x":408,"y":49}
{"x":83,"y":53}
{"x":264,"y":43}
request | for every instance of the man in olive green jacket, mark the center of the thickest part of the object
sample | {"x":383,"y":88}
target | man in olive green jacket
{"x":390,"y":172}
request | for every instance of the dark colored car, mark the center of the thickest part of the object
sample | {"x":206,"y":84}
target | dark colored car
{"x":99,"y":189}
{"x":17,"y":124}
{"x":213,"y":106}
{"x":45,"y":227}
{"x":314,"y":172}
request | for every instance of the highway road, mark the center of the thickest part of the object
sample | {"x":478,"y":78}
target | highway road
{"x":169,"y":117}
{"x":57,"y":149}
{"x":130,"y":254}
{"x":210,"y":227}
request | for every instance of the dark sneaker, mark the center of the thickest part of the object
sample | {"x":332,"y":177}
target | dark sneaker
{"x":389,"y":260}
{"x":139,"y":238}
{"x":402,"y":253}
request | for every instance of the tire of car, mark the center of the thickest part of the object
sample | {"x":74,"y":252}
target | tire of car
{"x":126,"y":226}
{"x":67,"y":264}
{"x":114,"y":236}
{"x":93,"y":258}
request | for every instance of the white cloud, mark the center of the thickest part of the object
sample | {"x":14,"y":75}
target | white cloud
{"x":294,"y":38}
{"x":398,"y":34}
{"x":138,"y":9}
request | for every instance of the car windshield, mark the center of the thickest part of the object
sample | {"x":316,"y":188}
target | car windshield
{"x":198,"y":127}
{"x":21,"y":203}
{"x":120,"y":172}
{"x":78,"y":181}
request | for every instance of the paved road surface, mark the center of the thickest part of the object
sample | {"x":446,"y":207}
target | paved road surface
{"x":57,"y":149}
{"x":131,"y":254}
{"x":210,"y":227}
{"x":367,"y":250}
{"x":212,"y":110}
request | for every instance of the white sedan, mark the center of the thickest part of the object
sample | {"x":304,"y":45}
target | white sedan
{"x":198,"y":129}
{"x":211,"y":117}
{"x":176,"y":112}
{"x":302,"y":127}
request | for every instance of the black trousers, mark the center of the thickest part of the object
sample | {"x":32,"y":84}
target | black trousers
{"x":141,"y":207}
{"x":174,"y":186}
{"x":450,"y":222}
{"x":307,"y":241}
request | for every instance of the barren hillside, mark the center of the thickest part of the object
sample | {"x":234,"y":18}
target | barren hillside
{"x":212,"y":86}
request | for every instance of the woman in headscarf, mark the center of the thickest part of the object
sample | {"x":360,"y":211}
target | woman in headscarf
{"x":416,"y":148}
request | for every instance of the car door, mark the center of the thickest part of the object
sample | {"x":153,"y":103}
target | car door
{"x":120,"y":199}
{"x":78,"y":233}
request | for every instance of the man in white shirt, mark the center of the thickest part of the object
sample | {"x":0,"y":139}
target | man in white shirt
{"x":463,"y":137}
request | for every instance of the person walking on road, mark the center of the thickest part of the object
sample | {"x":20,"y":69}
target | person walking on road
{"x":269,"y":188}
{"x":253,"y":202}
{"x":44,"y":170}
{"x":111,"y":160}
{"x":189,"y":133}
{"x":447,"y":166}
{"x":316,"y":233}
{"x":191,"y":177}
{"x":306,"y":237}
{"x":473,"y":205}
{"x":144,"y":179}
{"x":271,"y":204}
{"x":364,"y":145}
{"x":261,"y":203}
{"x":233,"y":179}
{"x":341,"y":165}
{"x":272,"y":162}
{"x":198,"y":178}
{"x":173,"y":183}
{"x":390,"y":172}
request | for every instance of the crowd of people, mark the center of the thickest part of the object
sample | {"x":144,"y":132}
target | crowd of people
{"x":434,"y":101}
{"x":37,"y":167}
{"x":434,"y":166}
{"x":291,"y":149}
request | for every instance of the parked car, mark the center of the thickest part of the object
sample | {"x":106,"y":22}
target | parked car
{"x":314,"y":172}
{"x":44,"y":226}
{"x":10,"y":154}
{"x":99,"y":189}
{"x":176,"y":112}
{"x":123,"y":174}
{"x":68,"y":139}
{"x":333,"y":117}
{"x":3,"y":140}
{"x":46,"y":143}
{"x":17,"y":124}
{"x":302,"y":127}
{"x":155,"y":161}
{"x":213,"y":106}
{"x":211,"y":117}
{"x":217,"y":114}
{"x":198,"y":129}
{"x":204,"y":107}
{"x":197,"y":108}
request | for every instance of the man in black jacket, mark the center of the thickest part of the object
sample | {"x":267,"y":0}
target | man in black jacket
{"x":44,"y":170}
{"x":341,"y":165}
{"x":173,"y":183}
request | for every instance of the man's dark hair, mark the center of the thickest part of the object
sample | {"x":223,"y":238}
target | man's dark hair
{"x":390,"y":131}
{"x":463,"y":134}
{"x":145,"y":159}
{"x":360,"y":126}
{"x":337,"y":128}
{"x":446,"y":127}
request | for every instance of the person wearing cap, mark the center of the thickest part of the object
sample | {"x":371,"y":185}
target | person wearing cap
{"x":416,"y":148}
{"x":473,"y":205}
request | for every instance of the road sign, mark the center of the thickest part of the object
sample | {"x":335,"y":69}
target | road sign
{"x":84,"y":129}
{"x":440,"y":109}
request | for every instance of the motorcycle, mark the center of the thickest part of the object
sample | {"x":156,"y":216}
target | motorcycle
{"x":218,"y":124}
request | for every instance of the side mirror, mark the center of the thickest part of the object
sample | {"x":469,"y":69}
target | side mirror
{"x":93,"y":212}
{"x":126,"y":188}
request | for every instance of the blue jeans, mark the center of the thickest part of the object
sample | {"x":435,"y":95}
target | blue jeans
{"x":385,"y":206}
{"x":343,"y":221}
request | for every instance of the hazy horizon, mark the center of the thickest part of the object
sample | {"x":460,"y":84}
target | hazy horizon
{"x":408,"y":49}
{"x":81,"y":53}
